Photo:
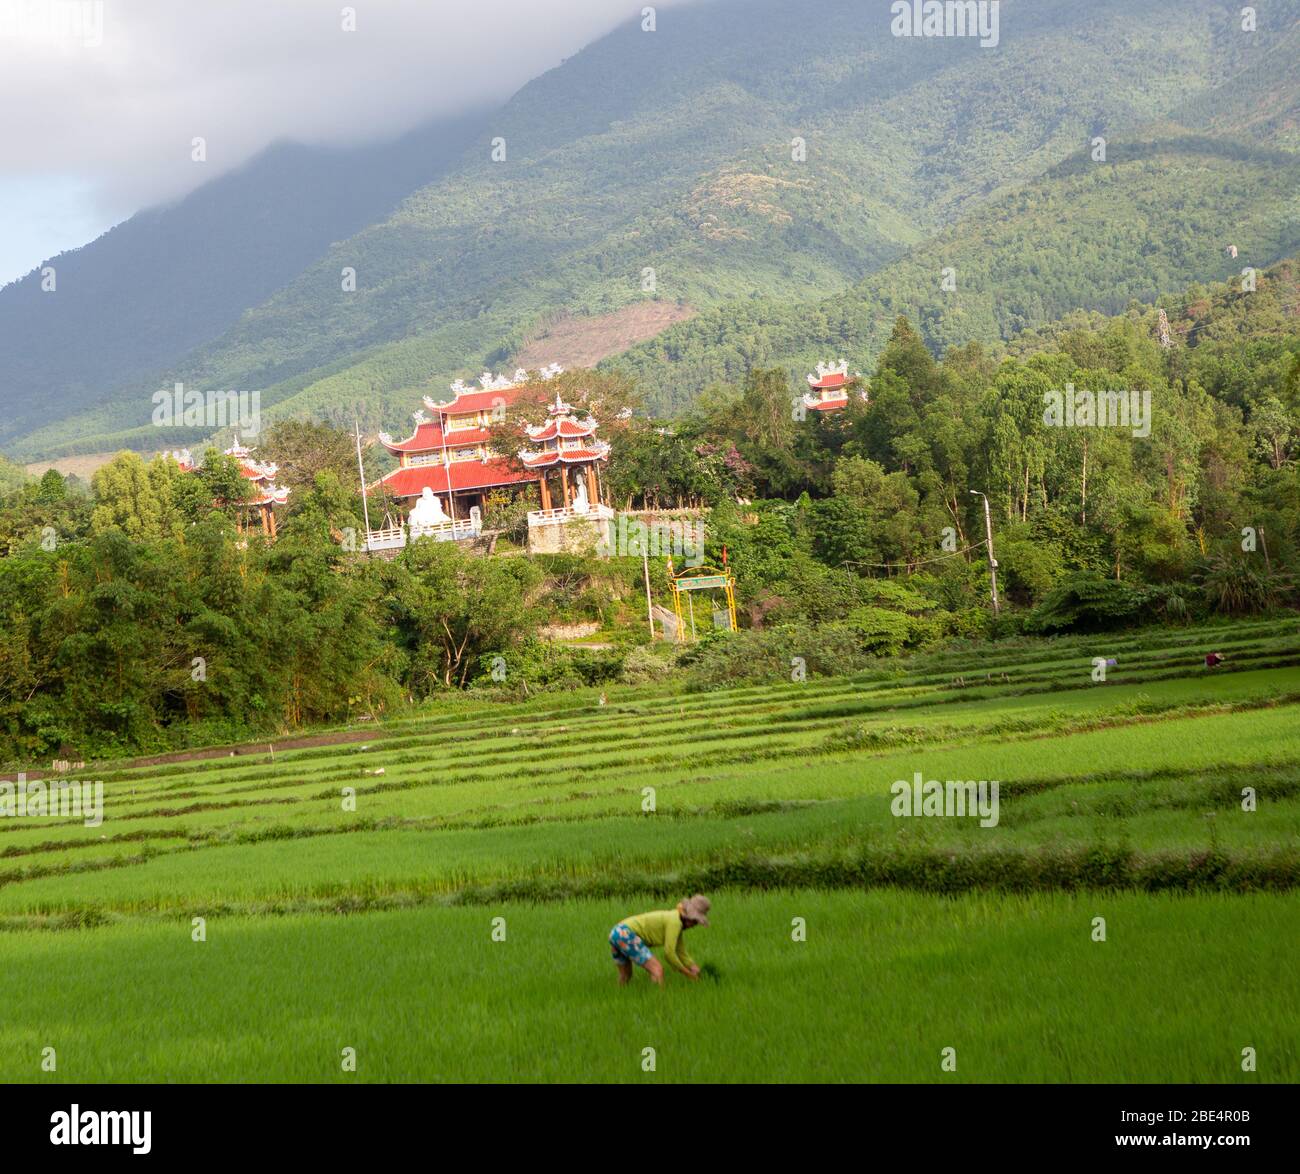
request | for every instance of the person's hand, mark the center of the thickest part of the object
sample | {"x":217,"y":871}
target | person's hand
{"x":693,"y":973}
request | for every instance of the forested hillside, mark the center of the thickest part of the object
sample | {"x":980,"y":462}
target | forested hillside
{"x":1153,"y":217}
{"x":665,"y":165}
{"x":1261,"y":103}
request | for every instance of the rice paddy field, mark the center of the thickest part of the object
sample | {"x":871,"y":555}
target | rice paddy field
{"x":430,"y":900}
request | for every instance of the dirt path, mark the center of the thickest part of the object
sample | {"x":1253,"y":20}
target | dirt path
{"x":303,"y":743}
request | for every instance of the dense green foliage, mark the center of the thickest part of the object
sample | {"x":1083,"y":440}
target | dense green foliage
{"x":1154,"y":217}
{"x":1203,"y":514}
{"x":853,"y":536}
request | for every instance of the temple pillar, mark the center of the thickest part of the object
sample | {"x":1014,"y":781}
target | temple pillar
{"x":593,"y":494}
{"x":546,"y":492}
{"x":564,"y":485}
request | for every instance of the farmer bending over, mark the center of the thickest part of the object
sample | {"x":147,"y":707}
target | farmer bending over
{"x":630,"y":940}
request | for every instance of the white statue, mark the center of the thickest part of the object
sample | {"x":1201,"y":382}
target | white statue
{"x":427,"y":511}
{"x":580,"y":503}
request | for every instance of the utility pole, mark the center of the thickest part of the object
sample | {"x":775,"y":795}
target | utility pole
{"x":365,"y":508}
{"x":649,"y":607}
{"x":988,"y":542}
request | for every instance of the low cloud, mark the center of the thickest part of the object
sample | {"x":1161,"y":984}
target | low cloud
{"x":113,"y":92}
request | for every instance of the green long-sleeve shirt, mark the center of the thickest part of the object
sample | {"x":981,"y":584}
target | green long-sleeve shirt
{"x":662,"y":928}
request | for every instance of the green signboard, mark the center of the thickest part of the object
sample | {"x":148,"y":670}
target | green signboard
{"x":702,"y":582}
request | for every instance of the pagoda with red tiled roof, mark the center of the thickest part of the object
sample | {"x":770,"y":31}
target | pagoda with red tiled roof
{"x":569,"y":446}
{"x":184,"y":459}
{"x":450,"y":452}
{"x":828,"y":388}
{"x":264,"y":494}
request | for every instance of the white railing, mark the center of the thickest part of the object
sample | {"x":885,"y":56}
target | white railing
{"x":556,"y":517}
{"x":396,"y":537}
{"x":393,"y":538}
{"x":445,"y":531}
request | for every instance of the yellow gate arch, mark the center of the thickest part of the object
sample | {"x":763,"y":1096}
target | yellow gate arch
{"x":702,"y":578}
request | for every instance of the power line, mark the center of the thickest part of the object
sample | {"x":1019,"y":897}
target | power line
{"x":923,"y":562}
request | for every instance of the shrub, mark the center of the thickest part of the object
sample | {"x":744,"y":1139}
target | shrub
{"x":1239,"y":586}
{"x":645,"y":664}
{"x":1090,"y":604}
{"x":881,"y":632}
{"x":769,"y":655}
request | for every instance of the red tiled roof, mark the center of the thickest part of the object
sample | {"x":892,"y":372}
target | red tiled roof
{"x":831,"y":381}
{"x":464,"y":475}
{"x":552,"y":428}
{"x":279,"y":497}
{"x":459,"y":437}
{"x":543,"y":460}
{"x":425,"y":437}
{"x":829,"y":405}
{"x":429,"y":438}
{"x":482,"y":401}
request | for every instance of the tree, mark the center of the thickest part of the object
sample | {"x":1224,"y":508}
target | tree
{"x":1274,"y":431}
{"x":304,"y":448}
{"x":52,"y":487}
{"x":130,"y":498}
{"x":764,"y":431}
{"x":451,"y":609}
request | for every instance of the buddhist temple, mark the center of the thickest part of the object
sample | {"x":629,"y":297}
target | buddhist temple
{"x":448,"y":461}
{"x":828,"y":388}
{"x":569,"y":448}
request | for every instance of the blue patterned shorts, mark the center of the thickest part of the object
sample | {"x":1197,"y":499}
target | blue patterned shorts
{"x":625,"y":946}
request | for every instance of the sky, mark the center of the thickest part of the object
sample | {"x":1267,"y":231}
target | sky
{"x":112,"y":93}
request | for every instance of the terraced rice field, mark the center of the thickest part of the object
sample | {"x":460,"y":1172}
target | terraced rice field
{"x":435,"y":893}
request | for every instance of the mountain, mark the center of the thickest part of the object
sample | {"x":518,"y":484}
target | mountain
{"x":667,"y":166}
{"x":1219,"y":169}
{"x":1221,"y":326}
{"x":1154,"y":217}
{"x":1261,"y":102}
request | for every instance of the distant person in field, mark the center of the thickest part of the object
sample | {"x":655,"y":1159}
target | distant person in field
{"x":630,"y":940}
{"x":1213,"y":660}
